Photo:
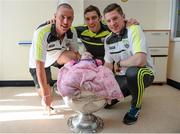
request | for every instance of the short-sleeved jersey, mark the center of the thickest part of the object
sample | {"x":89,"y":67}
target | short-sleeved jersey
{"x":47,"y":47}
{"x":93,"y":42}
{"x":130,"y":41}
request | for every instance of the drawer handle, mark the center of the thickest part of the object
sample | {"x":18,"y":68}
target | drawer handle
{"x":154,"y":50}
{"x":156,"y":33}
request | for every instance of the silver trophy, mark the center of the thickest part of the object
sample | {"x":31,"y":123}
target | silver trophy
{"x":85,"y":103}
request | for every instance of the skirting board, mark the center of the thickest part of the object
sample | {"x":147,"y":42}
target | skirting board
{"x":20,"y":83}
{"x":31,"y":83}
{"x":173,"y":83}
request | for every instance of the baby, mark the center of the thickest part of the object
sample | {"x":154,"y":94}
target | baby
{"x":86,"y":56}
{"x":89,"y":74}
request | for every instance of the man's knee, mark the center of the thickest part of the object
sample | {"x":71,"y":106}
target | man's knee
{"x":132,"y":72}
{"x":135,"y":74}
{"x":35,"y":79}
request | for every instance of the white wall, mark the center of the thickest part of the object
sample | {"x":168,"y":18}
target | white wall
{"x":152,"y":14}
{"x":19,"y":18}
{"x":173,"y":62}
{"x":1,"y":63}
{"x":163,"y":14}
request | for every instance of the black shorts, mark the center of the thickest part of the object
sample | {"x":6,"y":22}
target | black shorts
{"x":35,"y":79}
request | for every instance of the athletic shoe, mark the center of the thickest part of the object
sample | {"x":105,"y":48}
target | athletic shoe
{"x":132,"y":116}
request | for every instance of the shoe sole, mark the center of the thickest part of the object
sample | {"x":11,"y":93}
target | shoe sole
{"x":130,"y":123}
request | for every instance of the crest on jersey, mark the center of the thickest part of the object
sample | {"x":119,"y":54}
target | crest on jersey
{"x":126,"y":43}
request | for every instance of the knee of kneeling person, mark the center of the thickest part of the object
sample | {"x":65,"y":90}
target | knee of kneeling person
{"x":132,"y":72}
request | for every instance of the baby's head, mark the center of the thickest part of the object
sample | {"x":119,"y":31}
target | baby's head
{"x":89,"y":56}
{"x":86,"y":55}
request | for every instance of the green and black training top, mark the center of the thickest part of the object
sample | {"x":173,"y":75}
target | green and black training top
{"x":93,"y":42}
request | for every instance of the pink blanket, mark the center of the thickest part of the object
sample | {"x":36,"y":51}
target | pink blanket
{"x":86,"y":75}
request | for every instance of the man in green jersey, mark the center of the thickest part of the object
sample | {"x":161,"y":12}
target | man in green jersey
{"x":127,"y":48}
{"x":52,"y":45}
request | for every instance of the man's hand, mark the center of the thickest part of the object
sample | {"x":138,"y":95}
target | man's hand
{"x":51,"y":21}
{"x":131,"y":21}
{"x":117,"y":69}
{"x":47,"y":100}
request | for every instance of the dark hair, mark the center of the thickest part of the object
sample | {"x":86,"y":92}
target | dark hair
{"x":91,"y":8}
{"x":66,"y":5}
{"x":112,"y":7}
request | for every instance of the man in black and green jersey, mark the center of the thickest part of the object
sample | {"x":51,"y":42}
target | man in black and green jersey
{"x":127,"y":47}
{"x":93,"y":33}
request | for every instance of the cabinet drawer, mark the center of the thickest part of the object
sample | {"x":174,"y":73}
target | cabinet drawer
{"x":160,"y":66}
{"x":157,"y":38}
{"x":158,"y":51}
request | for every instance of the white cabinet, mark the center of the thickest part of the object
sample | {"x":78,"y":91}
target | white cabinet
{"x":161,"y":69}
{"x":158,"y":43}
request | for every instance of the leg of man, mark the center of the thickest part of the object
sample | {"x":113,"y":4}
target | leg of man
{"x":34,"y":76}
{"x":137,"y":79}
{"x":122,"y":81}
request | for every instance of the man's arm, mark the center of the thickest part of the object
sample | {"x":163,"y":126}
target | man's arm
{"x":139,"y":59}
{"x":139,"y":49}
{"x":42,"y":79}
{"x":43,"y":24}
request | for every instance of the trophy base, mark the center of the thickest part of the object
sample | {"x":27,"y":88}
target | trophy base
{"x":85,"y":123}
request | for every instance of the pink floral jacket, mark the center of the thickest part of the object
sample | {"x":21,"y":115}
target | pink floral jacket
{"x":86,"y":75}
